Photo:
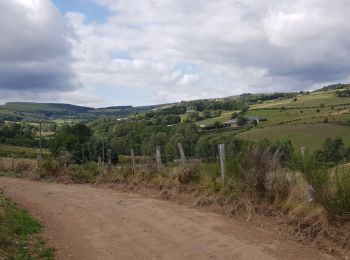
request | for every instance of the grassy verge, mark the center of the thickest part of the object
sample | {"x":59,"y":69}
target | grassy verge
{"x":19,"y":234}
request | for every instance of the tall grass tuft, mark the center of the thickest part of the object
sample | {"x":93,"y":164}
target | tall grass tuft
{"x":339,"y":201}
{"x":255,"y":166}
{"x":316,"y":174}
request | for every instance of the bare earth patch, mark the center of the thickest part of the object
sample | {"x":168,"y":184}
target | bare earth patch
{"x":85,"y":222}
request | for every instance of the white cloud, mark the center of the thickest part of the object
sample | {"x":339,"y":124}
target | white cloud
{"x":34,"y":47}
{"x":233,"y":46}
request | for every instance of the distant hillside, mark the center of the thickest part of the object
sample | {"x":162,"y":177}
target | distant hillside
{"x":44,"y":107}
{"x":31,"y":111}
{"x":115,"y":107}
{"x":333,"y":87}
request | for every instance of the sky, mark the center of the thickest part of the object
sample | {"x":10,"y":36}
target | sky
{"x":139,"y":52}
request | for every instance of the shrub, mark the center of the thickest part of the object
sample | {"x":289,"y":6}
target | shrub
{"x":49,"y":168}
{"x":256,"y":164}
{"x":81,"y":174}
{"x":188,"y":173}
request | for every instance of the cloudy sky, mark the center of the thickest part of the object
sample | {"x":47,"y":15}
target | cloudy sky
{"x":120,"y":52}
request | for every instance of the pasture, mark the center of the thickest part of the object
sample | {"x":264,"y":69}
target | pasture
{"x":20,"y":152}
{"x":311,"y":136}
{"x":314,"y":99}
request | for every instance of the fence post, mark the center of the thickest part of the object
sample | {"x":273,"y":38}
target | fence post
{"x":109,"y":159}
{"x":40,"y":142}
{"x":38,"y":160}
{"x":133,"y":160}
{"x":12,"y":162}
{"x":302,"y":151}
{"x":99,"y":162}
{"x":158,"y":159}
{"x":182,"y":153}
{"x":222,"y":161}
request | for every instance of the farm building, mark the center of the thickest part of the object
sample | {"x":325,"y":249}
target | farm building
{"x":189,"y":110}
{"x":252,"y":119}
{"x":232,"y":122}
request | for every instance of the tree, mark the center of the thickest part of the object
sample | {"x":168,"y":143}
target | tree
{"x":333,"y":151}
{"x":241,"y":120}
{"x":234,"y":115}
{"x":72,"y":139}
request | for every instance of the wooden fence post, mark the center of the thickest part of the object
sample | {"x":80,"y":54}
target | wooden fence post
{"x":38,"y":160}
{"x":103,"y":150}
{"x":99,"y":163}
{"x":182,"y":153}
{"x":133,"y":160}
{"x":302,"y":151}
{"x":40,"y":142}
{"x":109,"y":159}
{"x":222,"y":161}
{"x":158,"y":159}
{"x":12,"y":162}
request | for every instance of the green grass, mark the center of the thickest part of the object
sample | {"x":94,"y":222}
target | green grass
{"x":20,"y":152}
{"x":314,"y":99}
{"x":19,"y":234}
{"x":308,"y":135}
{"x":225,"y":116}
{"x":308,"y":115}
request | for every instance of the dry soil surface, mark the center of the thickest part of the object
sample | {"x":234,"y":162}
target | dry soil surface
{"x":86,"y":222}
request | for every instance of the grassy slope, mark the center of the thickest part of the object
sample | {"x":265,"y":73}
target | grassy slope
{"x":47,"y":107}
{"x":226,"y":115}
{"x":18,"y":234}
{"x":301,"y":120}
{"x":19,"y":151}
{"x":308,"y":135}
{"x":314,"y":99}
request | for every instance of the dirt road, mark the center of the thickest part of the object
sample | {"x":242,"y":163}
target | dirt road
{"x":85,"y":222}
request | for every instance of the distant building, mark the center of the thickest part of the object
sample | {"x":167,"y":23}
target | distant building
{"x":232,"y":122}
{"x":251,"y":119}
{"x":190,"y":110}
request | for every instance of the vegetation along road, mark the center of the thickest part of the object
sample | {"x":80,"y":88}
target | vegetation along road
{"x":85,"y":222}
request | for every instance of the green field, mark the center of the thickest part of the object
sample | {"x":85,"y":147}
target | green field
{"x":308,"y":115}
{"x":225,"y":116}
{"x":314,"y":99}
{"x":20,"y":152}
{"x":308,"y":135}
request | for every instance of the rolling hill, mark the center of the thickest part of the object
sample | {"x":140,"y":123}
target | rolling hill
{"x":31,"y":111}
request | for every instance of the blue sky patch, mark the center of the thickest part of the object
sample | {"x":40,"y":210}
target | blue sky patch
{"x":187,"y":67}
{"x":94,"y":13}
{"x":120,"y":55}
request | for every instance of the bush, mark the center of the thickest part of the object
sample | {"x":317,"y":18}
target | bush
{"x":188,"y":173}
{"x":49,"y":168}
{"x":82,"y":173}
